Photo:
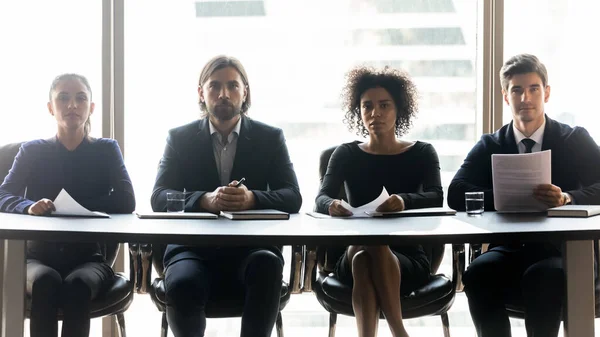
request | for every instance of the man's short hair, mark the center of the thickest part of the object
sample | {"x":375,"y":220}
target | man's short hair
{"x":522,"y":64}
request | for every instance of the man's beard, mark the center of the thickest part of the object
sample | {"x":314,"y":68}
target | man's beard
{"x":224,"y":111}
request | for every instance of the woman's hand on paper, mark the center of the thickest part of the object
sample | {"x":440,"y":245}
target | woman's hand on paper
{"x":336,"y":209}
{"x":41,"y":207}
{"x":394,"y":203}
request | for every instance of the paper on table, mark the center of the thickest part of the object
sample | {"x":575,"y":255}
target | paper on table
{"x":514,"y":176}
{"x":359,"y":212}
{"x":67,"y":206}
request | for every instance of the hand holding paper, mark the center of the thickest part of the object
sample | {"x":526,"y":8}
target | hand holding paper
{"x":549,"y":194}
{"x":41,"y":207}
{"x":359,"y":212}
{"x":392,"y":204}
{"x":67,"y":206}
{"x":336,"y":209}
{"x":515,"y":176}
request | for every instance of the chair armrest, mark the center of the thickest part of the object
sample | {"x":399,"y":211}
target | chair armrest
{"x":458,"y":266}
{"x":310,"y":264}
{"x":141,"y":263}
{"x":296,"y":270}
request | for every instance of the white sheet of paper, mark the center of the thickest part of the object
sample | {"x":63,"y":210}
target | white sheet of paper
{"x":359,"y":212}
{"x":514,"y":177}
{"x":67,"y":206}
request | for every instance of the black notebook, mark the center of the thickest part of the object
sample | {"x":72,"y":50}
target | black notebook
{"x":256,"y":214}
{"x":432,"y":211}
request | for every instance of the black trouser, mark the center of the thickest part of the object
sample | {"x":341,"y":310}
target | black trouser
{"x":188,"y":283}
{"x":70,"y":288}
{"x":532,"y":276}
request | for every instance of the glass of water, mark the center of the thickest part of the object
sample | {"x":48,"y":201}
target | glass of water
{"x":175,"y":202}
{"x":474,"y":202}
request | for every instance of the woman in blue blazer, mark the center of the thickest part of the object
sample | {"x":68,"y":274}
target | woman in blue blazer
{"x":67,"y":275}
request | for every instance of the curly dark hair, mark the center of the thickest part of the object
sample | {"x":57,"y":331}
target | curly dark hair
{"x":396,"y":82}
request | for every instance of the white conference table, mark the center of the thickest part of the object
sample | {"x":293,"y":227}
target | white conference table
{"x":577,"y":234}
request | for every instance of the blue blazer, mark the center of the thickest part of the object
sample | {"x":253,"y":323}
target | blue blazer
{"x":94,"y":174}
{"x":575,"y":164}
{"x":262,"y":157}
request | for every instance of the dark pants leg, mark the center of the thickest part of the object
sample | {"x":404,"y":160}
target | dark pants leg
{"x":80,"y":286}
{"x":49,"y":291}
{"x":187,"y":284}
{"x":531,"y":274}
{"x":486,"y":282}
{"x":43,"y":284}
{"x":543,"y":287}
{"x":261,"y":274}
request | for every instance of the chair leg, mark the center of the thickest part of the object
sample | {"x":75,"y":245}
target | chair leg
{"x":121,"y":324}
{"x":279,"y":325}
{"x":445,"y":324}
{"x":164,"y":330}
{"x":332,"y":323}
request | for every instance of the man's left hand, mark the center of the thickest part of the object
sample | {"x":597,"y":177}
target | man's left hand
{"x":549,"y":194}
{"x":232,"y":198}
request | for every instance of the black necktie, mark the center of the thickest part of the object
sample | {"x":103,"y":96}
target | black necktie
{"x":529,"y":143}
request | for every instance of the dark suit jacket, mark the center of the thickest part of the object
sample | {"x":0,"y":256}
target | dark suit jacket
{"x":575,"y":164}
{"x":188,"y":163}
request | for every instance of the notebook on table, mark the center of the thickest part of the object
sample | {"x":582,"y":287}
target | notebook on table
{"x":256,"y":214}
{"x":432,"y":211}
{"x":174,"y":215}
{"x":574,"y":211}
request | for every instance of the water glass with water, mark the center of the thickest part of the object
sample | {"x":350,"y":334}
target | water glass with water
{"x":474,"y":203}
{"x":175,"y":202}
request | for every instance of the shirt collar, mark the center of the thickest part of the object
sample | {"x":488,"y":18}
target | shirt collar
{"x":236,"y":130}
{"x":537,"y":136}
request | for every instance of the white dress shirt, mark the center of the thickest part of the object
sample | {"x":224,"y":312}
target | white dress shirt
{"x":537,"y":137}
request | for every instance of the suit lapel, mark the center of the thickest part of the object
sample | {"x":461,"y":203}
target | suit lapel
{"x":206,"y":156}
{"x":549,"y":134}
{"x":244,"y":148}
{"x":509,"y":143}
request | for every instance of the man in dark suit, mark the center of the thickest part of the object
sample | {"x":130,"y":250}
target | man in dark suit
{"x":206,"y":158}
{"x":528,"y":273}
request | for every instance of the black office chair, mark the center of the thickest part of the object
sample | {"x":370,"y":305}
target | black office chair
{"x":225,"y":301}
{"x":434,"y":298}
{"x":515,"y":307}
{"x":118,"y":296}
{"x":8,"y":153}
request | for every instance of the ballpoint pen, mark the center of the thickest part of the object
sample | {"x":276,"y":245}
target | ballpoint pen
{"x":240,"y":182}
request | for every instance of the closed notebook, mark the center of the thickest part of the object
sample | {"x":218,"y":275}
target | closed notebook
{"x":574,"y":211}
{"x":175,"y":215}
{"x":431,"y":211}
{"x":256,"y":214}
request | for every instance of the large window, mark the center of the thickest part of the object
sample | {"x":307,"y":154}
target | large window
{"x":40,"y":40}
{"x":296,"y":54}
{"x":555,"y":31}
